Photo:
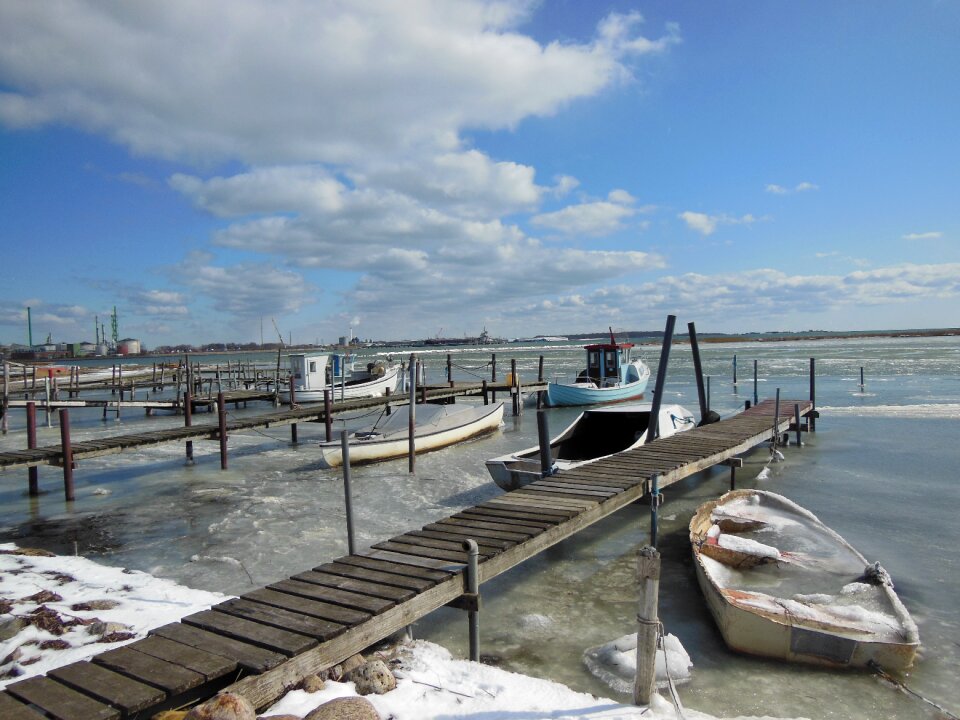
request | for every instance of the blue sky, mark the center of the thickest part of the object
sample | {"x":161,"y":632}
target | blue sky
{"x":407,"y":169}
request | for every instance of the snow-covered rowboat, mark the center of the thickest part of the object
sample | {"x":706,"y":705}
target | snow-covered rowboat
{"x":781,"y":584}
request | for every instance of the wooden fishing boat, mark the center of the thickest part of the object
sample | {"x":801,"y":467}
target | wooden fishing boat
{"x":779,"y":583}
{"x":594,"y":434}
{"x":313,"y":373}
{"x":610,"y":376}
{"x":436,"y":426}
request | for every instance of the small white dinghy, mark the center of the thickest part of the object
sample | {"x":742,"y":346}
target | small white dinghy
{"x":779,"y":583}
{"x":594,"y":434}
{"x":436,"y":426}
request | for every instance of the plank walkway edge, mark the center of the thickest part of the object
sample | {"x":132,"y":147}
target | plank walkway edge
{"x":562,"y":503}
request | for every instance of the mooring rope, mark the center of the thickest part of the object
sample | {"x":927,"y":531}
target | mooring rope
{"x":674,"y":695}
{"x":902,"y":686}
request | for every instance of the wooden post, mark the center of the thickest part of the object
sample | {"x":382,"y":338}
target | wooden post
{"x":653,"y":431}
{"x":473,"y":590}
{"x":188,"y":421}
{"x":861,"y":378}
{"x":347,"y":494}
{"x":655,"y":499}
{"x":543,"y":434}
{"x":222,"y":419}
{"x":449,"y":370}
{"x":67,"y":450}
{"x":648,"y":581}
{"x":697,"y":371}
{"x":755,"y":397}
{"x":733,"y":463}
{"x":540,"y":380}
{"x":293,"y":402}
{"x":776,"y":420}
{"x":46,"y":393}
{"x":811,"y":420}
{"x":493,"y":374}
{"x":486,"y":396}
{"x":514,"y":386}
{"x":6,"y":398}
{"x":796,"y":422}
{"x":412,"y":418}
{"x":32,"y":472}
{"x":387,"y":393}
{"x":328,"y":414}
{"x":734,"y":371}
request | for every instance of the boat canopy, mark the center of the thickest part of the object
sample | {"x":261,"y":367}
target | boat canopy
{"x":605,"y":360}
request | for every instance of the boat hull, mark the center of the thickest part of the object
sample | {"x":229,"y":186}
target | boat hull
{"x":483,"y":420}
{"x":376,"y":387}
{"x":760,"y":624}
{"x":591,"y":429}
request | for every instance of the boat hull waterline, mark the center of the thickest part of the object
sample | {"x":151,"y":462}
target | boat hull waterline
{"x":436,"y":426}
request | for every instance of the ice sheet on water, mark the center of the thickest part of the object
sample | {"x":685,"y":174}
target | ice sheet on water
{"x":949,"y":411}
{"x":615,"y":662}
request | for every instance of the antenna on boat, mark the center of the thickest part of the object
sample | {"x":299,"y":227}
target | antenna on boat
{"x":612,"y":340}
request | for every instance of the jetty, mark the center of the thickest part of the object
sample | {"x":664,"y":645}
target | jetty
{"x":263,"y":642}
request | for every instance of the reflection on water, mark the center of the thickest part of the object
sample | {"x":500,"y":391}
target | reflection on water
{"x":885,"y":483}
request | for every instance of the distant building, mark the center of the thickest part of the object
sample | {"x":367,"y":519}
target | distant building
{"x":128,"y":346}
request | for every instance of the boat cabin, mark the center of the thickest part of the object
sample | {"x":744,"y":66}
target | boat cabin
{"x":315,"y":371}
{"x":606,"y":362}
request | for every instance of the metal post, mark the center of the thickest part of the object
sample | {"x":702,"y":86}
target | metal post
{"x":347,"y":493}
{"x":327,"y":414}
{"x":67,"y":454}
{"x":697,"y":371}
{"x":654,"y":508}
{"x":648,"y":579}
{"x":543,"y":433}
{"x":222,"y":420}
{"x":412,"y":420}
{"x":473,"y":590}
{"x":32,"y":473}
{"x":653,"y":431}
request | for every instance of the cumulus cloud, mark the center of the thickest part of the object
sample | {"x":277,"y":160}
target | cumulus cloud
{"x":707,"y":224}
{"x":296,"y":81}
{"x":590,"y":218}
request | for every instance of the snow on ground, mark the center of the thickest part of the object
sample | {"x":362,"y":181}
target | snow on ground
{"x":432,"y":685}
{"x":50,"y":608}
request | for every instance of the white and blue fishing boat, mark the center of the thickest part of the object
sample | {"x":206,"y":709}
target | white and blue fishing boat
{"x":610,"y":376}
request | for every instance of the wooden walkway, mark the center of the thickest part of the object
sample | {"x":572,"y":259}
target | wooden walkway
{"x":53,"y":454}
{"x":265,"y":641}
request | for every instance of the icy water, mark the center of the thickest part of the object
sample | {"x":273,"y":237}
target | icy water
{"x":881,"y":471}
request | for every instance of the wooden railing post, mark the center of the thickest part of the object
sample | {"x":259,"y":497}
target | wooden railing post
{"x":648,"y":581}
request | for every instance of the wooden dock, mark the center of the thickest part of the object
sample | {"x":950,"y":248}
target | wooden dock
{"x":265,"y":641}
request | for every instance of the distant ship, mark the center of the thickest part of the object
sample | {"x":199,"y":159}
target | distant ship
{"x":483,"y":338}
{"x":542,"y":338}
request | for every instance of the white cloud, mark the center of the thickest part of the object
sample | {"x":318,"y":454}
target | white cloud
{"x":798,"y":188}
{"x":294,"y":81}
{"x":707,"y":224}
{"x":590,"y":218}
{"x":936,"y":235}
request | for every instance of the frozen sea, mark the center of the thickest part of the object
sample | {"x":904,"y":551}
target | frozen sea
{"x":881,"y":470}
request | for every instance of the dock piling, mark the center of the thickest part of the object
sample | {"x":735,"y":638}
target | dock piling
{"x":813,"y":395}
{"x":222,"y":419}
{"x":543,"y":433}
{"x":648,"y":580}
{"x":776,"y":421}
{"x":796,"y":422}
{"x":347,"y":493}
{"x":473,"y":597}
{"x":33,"y":471}
{"x":411,"y":422}
{"x":653,"y":432}
{"x":861,"y":378}
{"x":328,"y":414}
{"x":493,"y":374}
{"x":188,"y":421}
{"x":755,"y":397}
{"x":655,"y":499}
{"x":67,"y":451}
{"x":6,"y":398}
{"x":697,"y":370}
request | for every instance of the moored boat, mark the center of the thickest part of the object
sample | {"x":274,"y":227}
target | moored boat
{"x":781,"y":584}
{"x":435,"y":426}
{"x":610,"y":376}
{"x":596,"y":433}
{"x":313,"y":373}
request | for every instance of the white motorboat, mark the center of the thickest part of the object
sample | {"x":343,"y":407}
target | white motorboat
{"x":436,"y":426}
{"x":313,"y":373}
